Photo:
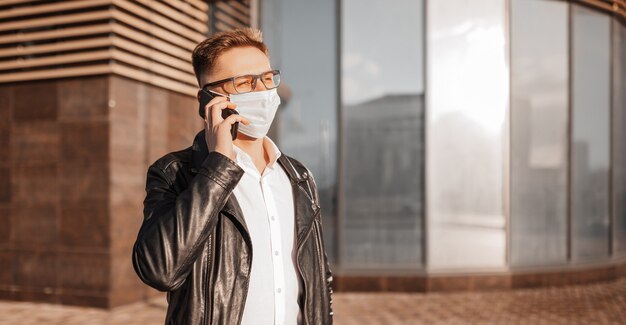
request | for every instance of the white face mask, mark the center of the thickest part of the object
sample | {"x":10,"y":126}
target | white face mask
{"x":259,"y":107}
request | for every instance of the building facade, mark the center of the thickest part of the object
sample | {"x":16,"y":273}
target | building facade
{"x":460,"y":145}
{"x":457,"y":145}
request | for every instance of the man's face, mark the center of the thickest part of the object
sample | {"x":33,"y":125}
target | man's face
{"x":235,"y":62}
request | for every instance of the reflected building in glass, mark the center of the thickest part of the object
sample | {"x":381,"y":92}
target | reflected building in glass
{"x":459,"y":145}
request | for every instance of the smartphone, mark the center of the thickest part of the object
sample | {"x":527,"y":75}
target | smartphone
{"x":205,"y":97}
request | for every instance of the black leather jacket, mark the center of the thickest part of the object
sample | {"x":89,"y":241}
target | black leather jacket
{"x":194,"y":243}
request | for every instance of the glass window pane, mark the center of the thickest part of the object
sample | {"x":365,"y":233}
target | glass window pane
{"x":302,"y":36}
{"x":539,"y":106}
{"x":382,"y":110}
{"x":466,"y":133}
{"x":591,"y":77}
{"x":619,"y":136}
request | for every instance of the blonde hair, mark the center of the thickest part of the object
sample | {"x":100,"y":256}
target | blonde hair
{"x":206,"y":52}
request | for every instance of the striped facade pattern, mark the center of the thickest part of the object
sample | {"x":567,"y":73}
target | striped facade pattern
{"x":145,"y":40}
{"x":230,"y":14}
{"x":149,"y":41}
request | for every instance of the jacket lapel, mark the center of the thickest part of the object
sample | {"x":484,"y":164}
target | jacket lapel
{"x":304,"y":206}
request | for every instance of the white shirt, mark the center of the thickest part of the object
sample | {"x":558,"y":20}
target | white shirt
{"x":267,"y":204}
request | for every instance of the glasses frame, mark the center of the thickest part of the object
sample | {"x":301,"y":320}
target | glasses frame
{"x":255,"y":78}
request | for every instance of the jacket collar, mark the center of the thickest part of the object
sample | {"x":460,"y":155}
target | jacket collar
{"x":304,"y":208}
{"x":200,"y":150}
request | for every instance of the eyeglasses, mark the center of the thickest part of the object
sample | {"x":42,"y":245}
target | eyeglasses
{"x":247,"y":83}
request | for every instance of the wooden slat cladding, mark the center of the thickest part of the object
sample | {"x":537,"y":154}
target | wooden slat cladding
{"x":229,"y":14}
{"x":615,"y":7}
{"x":146,"y":40}
{"x":50,"y":8}
{"x":198,"y":26}
{"x":188,"y":9}
{"x":159,"y":22}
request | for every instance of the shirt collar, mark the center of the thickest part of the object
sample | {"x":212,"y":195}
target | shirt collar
{"x":241,"y":157}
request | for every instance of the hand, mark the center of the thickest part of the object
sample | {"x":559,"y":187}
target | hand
{"x":217,"y":129}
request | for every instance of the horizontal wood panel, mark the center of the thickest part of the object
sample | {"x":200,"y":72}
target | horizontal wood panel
{"x":106,"y":41}
{"x":159,"y":22}
{"x":100,"y":55}
{"x":152,"y":42}
{"x":229,"y":14}
{"x":199,"y":26}
{"x":56,"y":47}
{"x":56,"y":34}
{"x":56,"y":73}
{"x":115,"y":68}
{"x":199,"y":4}
{"x":55,"y":60}
{"x":243,"y":17}
{"x":188,"y":9}
{"x":151,"y":29}
{"x":154,"y":55}
{"x":13,"y":2}
{"x":55,"y":20}
{"x":152,"y":66}
{"x":50,"y":8}
{"x":156,"y":80}
{"x":224,"y":18}
{"x":146,"y":40}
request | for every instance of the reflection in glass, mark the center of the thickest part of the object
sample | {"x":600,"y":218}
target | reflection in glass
{"x":539,"y":99}
{"x":591,"y":92}
{"x":466,"y":126}
{"x":619,"y":137}
{"x":301,"y":36}
{"x":382,"y":109}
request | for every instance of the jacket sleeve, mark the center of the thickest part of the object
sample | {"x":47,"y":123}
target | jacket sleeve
{"x":328,"y":275}
{"x":176,"y":225}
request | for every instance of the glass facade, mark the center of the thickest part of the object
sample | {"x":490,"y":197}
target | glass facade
{"x":539,"y":113}
{"x":306,"y":124}
{"x":382,"y":107}
{"x":590,"y":153}
{"x":466,"y":126}
{"x":456,"y":135}
{"x":618,"y":118}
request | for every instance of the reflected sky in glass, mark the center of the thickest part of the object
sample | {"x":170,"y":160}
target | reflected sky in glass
{"x":378,"y":59}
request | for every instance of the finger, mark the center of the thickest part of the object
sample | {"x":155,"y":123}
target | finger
{"x":216,"y":100}
{"x":236,"y":118}
{"x":207,"y":107}
{"x":207,"y":118}
{"x":216,"y":110}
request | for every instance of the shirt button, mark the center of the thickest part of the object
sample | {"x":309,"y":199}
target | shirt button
{"x":276,"y":253}
{"x":273,"y":218}
{"x":279,"y":290}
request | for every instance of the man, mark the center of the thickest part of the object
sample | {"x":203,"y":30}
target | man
{"x":232,"y":228}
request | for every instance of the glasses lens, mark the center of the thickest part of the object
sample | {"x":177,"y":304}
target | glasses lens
{"x":243,"y":84}
{"x":271,"y":79}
